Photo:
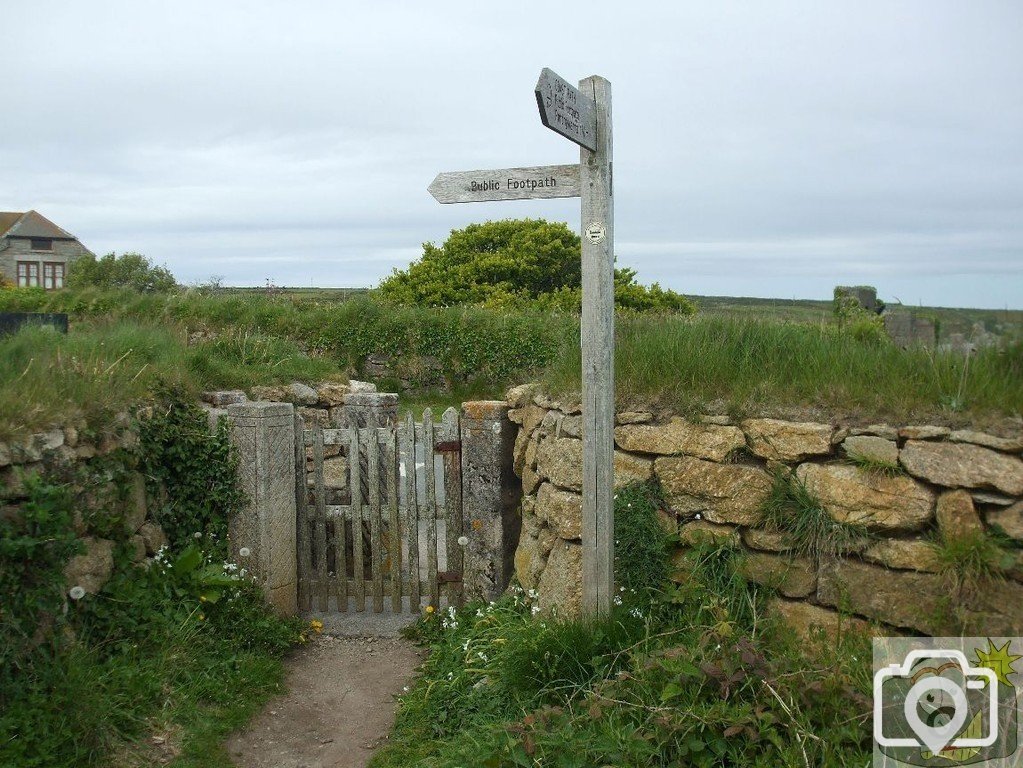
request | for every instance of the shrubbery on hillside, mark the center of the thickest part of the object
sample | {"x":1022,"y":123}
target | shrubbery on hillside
{"x":508,"y":263}
{"x":129,"y":270}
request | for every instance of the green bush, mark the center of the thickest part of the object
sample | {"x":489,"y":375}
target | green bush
{"x":129,"y":270}
{"x":505,"y":264}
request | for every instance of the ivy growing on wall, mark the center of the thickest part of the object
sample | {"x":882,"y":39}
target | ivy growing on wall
{"x":190,"y":473}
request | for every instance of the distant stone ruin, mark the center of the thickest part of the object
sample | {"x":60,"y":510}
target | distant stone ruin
{"x":865,"y":296}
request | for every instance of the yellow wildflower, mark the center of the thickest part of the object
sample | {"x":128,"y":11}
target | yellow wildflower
{"x":316,"y":626}
{"x":429,"y":609}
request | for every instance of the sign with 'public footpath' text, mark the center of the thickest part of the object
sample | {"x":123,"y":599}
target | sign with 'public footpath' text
{"x":545,"y":181}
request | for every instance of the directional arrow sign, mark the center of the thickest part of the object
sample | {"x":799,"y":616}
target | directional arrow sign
{"x":565,"y":110}
{"x":544,"y":181}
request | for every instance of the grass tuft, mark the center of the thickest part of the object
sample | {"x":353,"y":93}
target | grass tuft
{"x":791,"y":508}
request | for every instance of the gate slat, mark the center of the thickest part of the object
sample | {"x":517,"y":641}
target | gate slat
{"x":452,"y":461}
{"x":412,"y":513}
{"x":302,"y":513}
{"x":394,"y":533}
{"x":431,"y":506}
{"x":340,"y":586}
{"x":321,"y":519}
{"x":358,"y":565}
{"x":375,"y":525}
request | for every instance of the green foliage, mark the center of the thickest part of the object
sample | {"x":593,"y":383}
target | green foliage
{"x":191,"y":471}
{"x":183,"y":643}
{"x":36,"y":541}
{"x":523,"y":258}
{"x":971,"y":559}
{"x":642,"y":545}
{"x":129,"y":270}
{"x":504,"y":264}
{"x":697,"y":677}
{"x":791,"y":508}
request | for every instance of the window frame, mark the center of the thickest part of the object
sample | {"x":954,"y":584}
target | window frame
{"x":32,"y":269}
{"x":50,"y":282}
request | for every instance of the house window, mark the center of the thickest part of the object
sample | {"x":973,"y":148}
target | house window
{"x":42,"y":244}
{"x":53,"y":276}
{"x":28,"y":274}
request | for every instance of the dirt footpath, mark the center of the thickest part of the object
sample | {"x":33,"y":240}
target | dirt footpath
{"x":338,"y":709}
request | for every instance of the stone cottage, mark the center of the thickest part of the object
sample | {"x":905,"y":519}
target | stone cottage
{"x":34,"y":251}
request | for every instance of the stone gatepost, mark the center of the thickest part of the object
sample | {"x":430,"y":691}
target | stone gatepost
{"x":490,"y":499}
{"x":263,"y":435}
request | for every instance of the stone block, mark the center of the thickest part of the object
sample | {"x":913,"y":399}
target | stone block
{"x":697,"y":532}
{"x":330,"y":395}
{"x":871,"y":448}
{"x":535,"y":545}
{"x":1009,"y":520}
{"x":766,"y":540}
{"x":135,"y":504}
{"x":561,"y":511}
{"x":153,"y":537}
{"x":137,"y":546}
{"x":806,"y":619}
{"x":634,"y":417}
{"x":924,"y":432}
{"x":787,"y":440}
{"x":560,"y":585}
{"x":963,"y":465}
{"x":516,"y":397}
{"x":361,"y":387}
{"x":680,"y":437}
{"x":91,"y":569}
{"x":571,"y":426}
{"x":956,"y":515}
{"x":1008,"y":445}
{"x":876,"y":430}
{"x":223,"y":398}
{"x":5,"y":455}
{"x":723,"y":493}
{"x":791,"y":576}
{"x":852,"y":495}
{"x":902,"y":598}
{"x":903,"y":554}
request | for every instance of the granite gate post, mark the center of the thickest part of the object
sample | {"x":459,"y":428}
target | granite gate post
{"x":263,"y":435}
{"x":490,"y":499}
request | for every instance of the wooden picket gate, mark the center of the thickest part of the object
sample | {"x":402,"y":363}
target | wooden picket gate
{"x":387,"y":521}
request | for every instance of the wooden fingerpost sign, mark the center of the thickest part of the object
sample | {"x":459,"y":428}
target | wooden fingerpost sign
{"x":582,"y":115}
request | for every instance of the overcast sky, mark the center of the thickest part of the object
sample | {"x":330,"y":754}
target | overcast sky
{"x":761,"y":148}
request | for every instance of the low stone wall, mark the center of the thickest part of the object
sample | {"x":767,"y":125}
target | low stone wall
{"x":715,"y":476}
{"x":68,"y":453}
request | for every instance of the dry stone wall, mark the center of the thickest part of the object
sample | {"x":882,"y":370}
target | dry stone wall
{"x":67,"y":452}
{"x":909,"y":487}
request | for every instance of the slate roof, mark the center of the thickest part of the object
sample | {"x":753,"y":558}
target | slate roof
{"x":30,"y":224}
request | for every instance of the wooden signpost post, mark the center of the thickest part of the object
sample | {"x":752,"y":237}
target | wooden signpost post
{"x":582,"y":115}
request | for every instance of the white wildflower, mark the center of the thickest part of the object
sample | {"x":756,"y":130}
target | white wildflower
{"x":698,"y":516}
{"x":617,"y":600}
{"x":535,"y":610}
{"x":76,"y":592}
{"x":197,"y":535}
{"x":463,"y":540}
{"x":636,"y":613}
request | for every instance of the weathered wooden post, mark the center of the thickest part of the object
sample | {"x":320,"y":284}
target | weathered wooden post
{"x":598,"y":338}
{"x":582,"y":115}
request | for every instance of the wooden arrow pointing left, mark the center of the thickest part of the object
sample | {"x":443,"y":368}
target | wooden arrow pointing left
{"x":545,"y":181}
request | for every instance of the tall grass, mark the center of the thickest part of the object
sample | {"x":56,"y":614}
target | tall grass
{"x":746,"y":363}
{"x":750,"y":364}
{"x":46,"y":377}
